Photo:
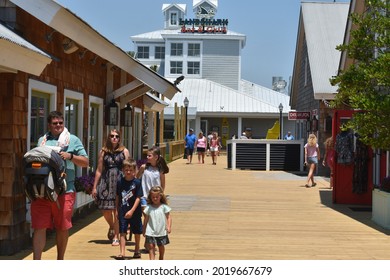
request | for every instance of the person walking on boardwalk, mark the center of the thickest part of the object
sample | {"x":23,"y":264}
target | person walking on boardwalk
{"x":108,"y":172}
{"x":128,"y":206}
{"x":312,"y":155}
{"x":45,"y":213}
{"x":152,"y":173}
{"x":158,"y":222}
{"x":201,"y":144}
{"x":214,"y":145}
{"x":190,"y":144}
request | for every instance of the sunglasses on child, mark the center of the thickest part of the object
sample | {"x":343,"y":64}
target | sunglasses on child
{"x":114,"y":136}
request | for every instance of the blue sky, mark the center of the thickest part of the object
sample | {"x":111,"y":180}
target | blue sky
{"x":270,"y":27}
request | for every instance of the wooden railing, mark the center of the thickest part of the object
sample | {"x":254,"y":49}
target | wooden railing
{"x":170,"y":150}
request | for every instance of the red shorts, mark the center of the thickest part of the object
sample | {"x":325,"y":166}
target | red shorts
{"x":46,"y":214}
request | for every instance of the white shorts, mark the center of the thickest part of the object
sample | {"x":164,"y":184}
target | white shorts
{"x":214,"y":149}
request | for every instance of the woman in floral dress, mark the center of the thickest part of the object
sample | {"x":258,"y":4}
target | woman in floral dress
{"x":108,"y":172}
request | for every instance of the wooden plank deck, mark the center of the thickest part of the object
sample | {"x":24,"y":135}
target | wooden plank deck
{"x":220,"y":214}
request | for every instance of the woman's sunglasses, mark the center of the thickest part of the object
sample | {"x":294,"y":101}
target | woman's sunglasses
{"x":114,"y":136}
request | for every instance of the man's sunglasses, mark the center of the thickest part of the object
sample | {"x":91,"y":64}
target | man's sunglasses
{"x":56,"y":123}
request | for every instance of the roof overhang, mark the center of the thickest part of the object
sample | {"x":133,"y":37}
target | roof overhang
{"x":326,"y":96}
{"x":70,"y":25}
{"x":19,"y":55}
{"x":154,"y":103}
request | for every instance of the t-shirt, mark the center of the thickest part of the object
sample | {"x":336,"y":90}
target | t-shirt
{"x":311,"y":150}
{"x":150,"y":178}
{"x":75,"y":147}
{"x":190,"y":140}
{"x":128,"y":191}
{"x":157,"y":223}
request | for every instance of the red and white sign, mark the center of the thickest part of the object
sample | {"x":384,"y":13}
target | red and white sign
{"x":292,"y":115}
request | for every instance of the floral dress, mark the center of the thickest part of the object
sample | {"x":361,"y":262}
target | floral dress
{"x":106,"y":189}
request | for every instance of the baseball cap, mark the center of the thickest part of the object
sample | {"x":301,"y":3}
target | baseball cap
{"x":191,"y":129}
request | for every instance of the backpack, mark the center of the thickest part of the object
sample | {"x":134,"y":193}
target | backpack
{"x":44,"y":173}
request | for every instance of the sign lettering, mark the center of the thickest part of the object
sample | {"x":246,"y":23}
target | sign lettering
{"x":292,"y":115}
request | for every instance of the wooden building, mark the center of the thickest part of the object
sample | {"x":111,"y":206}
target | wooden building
{"x":50,"y":59}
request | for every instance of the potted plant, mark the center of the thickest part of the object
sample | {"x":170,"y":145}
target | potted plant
{"x":381,"y":203}
{"x":84,"y":185}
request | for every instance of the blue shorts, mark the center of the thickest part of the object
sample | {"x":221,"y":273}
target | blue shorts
{"x":311,"y":160}
{"x":135,"y":223}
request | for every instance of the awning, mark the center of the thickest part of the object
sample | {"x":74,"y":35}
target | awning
{"x":153,"y":103}
{"x":17,"y":54}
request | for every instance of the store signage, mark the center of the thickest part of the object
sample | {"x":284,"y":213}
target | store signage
{"x":293,"y":115}
{"x":204,"y":25}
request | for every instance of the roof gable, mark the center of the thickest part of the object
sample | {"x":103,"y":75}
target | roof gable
{"x":324,"y":26}
{"x":181,"y":7}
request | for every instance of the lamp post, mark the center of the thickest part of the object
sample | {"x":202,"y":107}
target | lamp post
{"x":280,"y":120}
{"x":186,"y":103}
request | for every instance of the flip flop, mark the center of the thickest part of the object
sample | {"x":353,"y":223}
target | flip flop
{"x":137,"y":255}
{"x":119,"y":257}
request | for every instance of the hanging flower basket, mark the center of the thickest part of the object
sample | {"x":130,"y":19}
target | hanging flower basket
{"x":85,"y":183}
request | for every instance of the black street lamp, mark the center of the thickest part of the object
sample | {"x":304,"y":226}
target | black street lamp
{"x":186,"y":103}
{"x":280,"y":120}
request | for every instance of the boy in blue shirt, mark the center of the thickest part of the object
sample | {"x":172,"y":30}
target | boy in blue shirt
{"x":129,"y":211}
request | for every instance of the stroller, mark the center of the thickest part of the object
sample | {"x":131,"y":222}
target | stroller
{"x":44,"y":173}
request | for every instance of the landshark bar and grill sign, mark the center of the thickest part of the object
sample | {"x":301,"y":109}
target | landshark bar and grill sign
{"x":205,"y":23}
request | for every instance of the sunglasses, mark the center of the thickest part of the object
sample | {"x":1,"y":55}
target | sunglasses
{"x":56,"y":123}
{"x":114,"y":136}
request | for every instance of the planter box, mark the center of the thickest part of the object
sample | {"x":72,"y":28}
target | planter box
{"x":82,"y":199}
{"x":381,"y":208}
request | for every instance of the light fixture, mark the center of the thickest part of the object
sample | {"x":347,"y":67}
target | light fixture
{"x":112,"y":113}
{"x":126,"y":116}
{"x":178,"y":80}
{"x":93,"y":60}
{"x":280,"y":120}
{"x":69,"y":46}
{"x":186,"y":102}
{"x":308,"y":125}
{"x":82,"y":54}
{"x":49,"y":37}
{"x":314,"y":124}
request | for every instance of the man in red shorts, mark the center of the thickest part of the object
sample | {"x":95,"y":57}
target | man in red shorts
{"x":48,"y":214}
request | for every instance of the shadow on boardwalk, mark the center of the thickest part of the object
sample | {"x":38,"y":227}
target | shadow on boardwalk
{"x":221,"y":214}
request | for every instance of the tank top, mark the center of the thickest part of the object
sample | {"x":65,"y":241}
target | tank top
{"x":201,"y":142}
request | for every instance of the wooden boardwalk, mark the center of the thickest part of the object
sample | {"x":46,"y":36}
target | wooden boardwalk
{"x":220,"y":214}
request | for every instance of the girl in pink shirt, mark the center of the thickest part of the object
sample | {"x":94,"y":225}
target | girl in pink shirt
{"x":312,"y":154}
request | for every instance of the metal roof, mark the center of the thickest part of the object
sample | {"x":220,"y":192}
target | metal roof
{"x":210,"y":98}
{"x":8,"y":35}
{"x":324,"y":25}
